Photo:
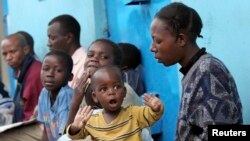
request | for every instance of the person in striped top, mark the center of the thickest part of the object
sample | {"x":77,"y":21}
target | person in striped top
{"x":113,"y":122}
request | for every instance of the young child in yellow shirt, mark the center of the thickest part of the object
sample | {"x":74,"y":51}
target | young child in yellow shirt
{"x":113,"y":122}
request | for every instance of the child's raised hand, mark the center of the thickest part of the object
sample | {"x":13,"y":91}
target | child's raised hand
{"x":153,"y":102}
{"x":80,"y":89}
{"x":81,"y":118}
{"x":82,"y":83}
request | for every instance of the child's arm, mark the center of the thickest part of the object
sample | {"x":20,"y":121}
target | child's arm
{"x":79,"y":93}
{"x":44,"y":136}
{"x":80,"y":120}
{"x":149,"y":114}
{"x":35,"y":112}
{"x":153,"y":102}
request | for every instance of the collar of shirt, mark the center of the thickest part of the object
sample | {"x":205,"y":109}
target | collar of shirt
{"x":201,"y":52}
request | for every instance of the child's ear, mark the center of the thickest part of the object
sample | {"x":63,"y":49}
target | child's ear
{"x":125,"y":91}
{"x":182,"y":39}
{"x":94,"y":97}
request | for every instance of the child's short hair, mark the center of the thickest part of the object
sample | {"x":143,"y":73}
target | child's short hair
{"x":115,"y":49}
{"x":182,"y":19}
{"x":66,"y":59}
{"x":131,"y":57}
{"x":115,"y":69}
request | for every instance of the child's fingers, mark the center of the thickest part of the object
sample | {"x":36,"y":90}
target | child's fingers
{"x":88,"y":109}
{"x":85,"y":86}
{"x":79,"y":111}
{"x":148,"y":97}
{"x":83,"y":79}
{"x":82,"y":86}
{"x":85,"y":109}
{"x":151,"y":99}
{"x":88,"y":115}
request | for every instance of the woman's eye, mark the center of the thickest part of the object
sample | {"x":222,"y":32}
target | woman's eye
{"x":157,"y":41}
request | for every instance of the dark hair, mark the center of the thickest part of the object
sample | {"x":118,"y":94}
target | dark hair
{"x":21,"y":39}
{"x":66,"y":59}
{"x":131,"y":57}
{"x":182,"y":19}
{"x":68,"y":24}
{"x":29,"y":39}
{"x":115,"y":69}
{"x":116,"y":50}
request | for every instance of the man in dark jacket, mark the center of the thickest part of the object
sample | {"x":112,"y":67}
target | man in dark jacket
{"x":17,"y":54}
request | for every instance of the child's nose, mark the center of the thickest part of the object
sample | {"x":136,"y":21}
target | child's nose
{"x":111,"y":92}
{"x":94,"y":59}
{"x":51,"y":73}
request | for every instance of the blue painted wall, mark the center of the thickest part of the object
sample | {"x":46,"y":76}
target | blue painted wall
{"x":131,"y":23}
{"x":125,"y":24}
{"x":226,"y":28}
{"x":34,"y":15}
{"x":226,"y":35}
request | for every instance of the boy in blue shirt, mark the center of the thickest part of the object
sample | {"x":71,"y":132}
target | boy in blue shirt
{"x":55,"y":98}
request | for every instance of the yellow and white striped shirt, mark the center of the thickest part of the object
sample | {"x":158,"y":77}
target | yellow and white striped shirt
{"x":127,"y":125}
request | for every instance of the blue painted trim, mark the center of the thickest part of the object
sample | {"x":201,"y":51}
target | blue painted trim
{"x":5,"y":25}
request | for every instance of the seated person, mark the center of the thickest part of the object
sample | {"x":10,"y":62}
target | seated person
{"x":55,"y":98}
{"x":6,"y":106}
{"x":113,"y":122}
{"x":27,"y":73}
{"x":131,"y":67}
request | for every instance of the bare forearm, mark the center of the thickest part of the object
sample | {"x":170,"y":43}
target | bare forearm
{"x":74,"y":106}
{"x":72,"y":112}
{"x":73,"y":130}
{"x":44,"y":136}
